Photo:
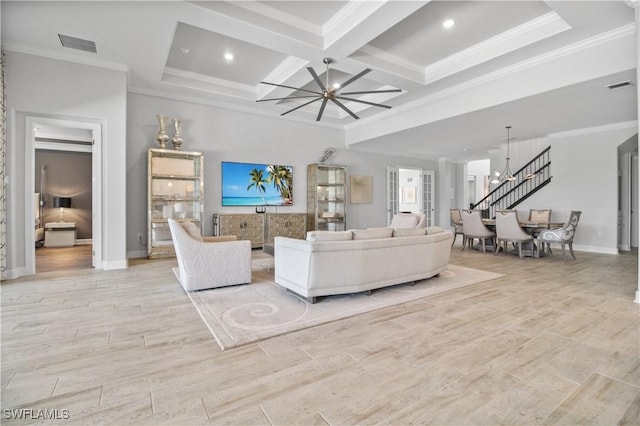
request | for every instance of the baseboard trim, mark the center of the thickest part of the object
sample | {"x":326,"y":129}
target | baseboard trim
{"x":137,"y":254}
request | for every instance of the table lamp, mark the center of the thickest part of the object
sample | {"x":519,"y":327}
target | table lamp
{"x":61,"y":202}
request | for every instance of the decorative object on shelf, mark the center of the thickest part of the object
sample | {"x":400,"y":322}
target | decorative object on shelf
{"x":175,"y":190}
{"x":61,"y":203}
{"x":506,"y":174}
{"x":176,"y":140}
{"x":361,"y":189}
{"x":330,"y":92}
{"x":161,"y":135}
{"x":326,"y":197}
{"x":327,"y":154}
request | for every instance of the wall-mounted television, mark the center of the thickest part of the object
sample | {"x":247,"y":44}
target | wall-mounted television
{"x":253,"y":184}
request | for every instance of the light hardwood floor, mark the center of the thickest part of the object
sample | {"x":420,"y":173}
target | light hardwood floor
{"x":552,"y":342}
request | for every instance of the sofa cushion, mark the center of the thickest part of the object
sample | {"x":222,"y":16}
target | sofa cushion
{"x":408,"y":232}
{"x":192,"y":229}
{"x":434,"y":230}
{"x":329,"y":235}
{"x":372,"y":233}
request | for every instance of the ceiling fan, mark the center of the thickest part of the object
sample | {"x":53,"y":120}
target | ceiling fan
{"x":329,"y":93}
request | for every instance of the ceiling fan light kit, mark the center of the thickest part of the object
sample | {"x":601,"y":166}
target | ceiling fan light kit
{"x":330,"y":93}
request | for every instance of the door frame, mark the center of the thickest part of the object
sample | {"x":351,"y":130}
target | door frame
{"x":96,"y":185}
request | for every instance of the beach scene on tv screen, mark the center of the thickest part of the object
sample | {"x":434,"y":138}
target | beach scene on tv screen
{"x":251,"y":184}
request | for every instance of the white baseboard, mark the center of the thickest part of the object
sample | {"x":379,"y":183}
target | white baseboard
{"x":11,"y":274}
{"x":84,"y":242}
{"x":136,"y":254}
{"x":593,"y":249}
{"x":117,"y":264}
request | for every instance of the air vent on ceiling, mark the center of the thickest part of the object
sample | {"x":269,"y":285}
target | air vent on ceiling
{"x":619,"y":85}
{"x":78,"y":43}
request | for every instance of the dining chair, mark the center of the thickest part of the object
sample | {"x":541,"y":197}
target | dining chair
{"x":508,"y":229}
{"x":539,"y":216}
{"x":472,"y":228}
{"x":562,"y":235}
{"x":456,"y":220}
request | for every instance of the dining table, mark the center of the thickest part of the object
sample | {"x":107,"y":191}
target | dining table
{"x":531,"y":228}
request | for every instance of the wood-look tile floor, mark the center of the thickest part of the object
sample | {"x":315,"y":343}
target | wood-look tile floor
{"x":552,"y":342}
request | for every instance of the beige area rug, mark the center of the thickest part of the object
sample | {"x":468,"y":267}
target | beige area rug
{"x":248,"y":313}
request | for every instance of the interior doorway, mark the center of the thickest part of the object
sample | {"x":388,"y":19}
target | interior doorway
{"x":63,"y":172}
{"x":410,"y":190}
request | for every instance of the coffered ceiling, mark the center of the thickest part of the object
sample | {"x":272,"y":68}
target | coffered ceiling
{"x":540,"y":66}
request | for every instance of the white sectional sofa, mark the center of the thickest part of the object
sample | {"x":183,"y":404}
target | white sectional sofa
{"x":359,"y":260}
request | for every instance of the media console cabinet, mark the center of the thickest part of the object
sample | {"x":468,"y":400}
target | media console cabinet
{"x":260,"y":228}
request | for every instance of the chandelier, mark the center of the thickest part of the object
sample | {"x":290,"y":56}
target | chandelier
{"x":506,"y":174}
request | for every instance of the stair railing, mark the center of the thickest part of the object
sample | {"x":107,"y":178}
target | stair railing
{"x":530,"y":178}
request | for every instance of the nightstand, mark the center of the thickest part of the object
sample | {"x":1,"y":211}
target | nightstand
{"x":59,"y":234}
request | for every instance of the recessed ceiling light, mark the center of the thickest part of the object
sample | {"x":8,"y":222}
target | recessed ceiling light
{"x":185,"y":50}
{"x":228,"y":56}
{"x":448,"y":23}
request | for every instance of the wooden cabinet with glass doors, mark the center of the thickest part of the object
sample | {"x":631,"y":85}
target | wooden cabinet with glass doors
{"x":326,"y":197}
{"x":175,"y":190}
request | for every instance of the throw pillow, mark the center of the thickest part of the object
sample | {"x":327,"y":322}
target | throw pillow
{"x":192,"y":229}
{"x":370,"y":234}
{"x":434,"y":230}
{"x":329,"y":235}
{"x":408,"y":232}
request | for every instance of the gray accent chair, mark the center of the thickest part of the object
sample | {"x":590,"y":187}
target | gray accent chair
{"x":473,"y":228}
{"x":563,"y":236}
{"x":508,"y":230}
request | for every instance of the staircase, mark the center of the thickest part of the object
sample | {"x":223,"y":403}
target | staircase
{"x":511,"y":193}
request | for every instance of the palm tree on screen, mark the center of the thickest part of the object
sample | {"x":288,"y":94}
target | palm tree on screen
{"x":282,"y":180}
{"x":257,"y":180}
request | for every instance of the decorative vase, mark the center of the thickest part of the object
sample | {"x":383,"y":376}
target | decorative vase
{"x":177,"y":137}
{"x":161,"y":135}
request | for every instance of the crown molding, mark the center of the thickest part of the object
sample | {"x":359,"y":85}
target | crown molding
{"x":61,"y":56}
{"x":634,"y":4}
{"x":596,"y":129}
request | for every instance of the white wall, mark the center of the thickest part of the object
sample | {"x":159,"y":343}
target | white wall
{"x":46,"y":87}
{"x":584,"y":166}
{"x":226,"y":135}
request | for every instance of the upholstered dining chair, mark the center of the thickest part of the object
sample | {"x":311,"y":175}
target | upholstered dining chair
{"x":472,"y":228}
{"x":540,"y":216}
{"x":456,"y":220}
{"x":508,"y":230}
{"x":563,"y":235}
{"x":408,"y":220}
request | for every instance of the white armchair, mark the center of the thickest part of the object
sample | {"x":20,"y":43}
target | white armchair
{"x":408,"y":220}
{"x":206,"y":264}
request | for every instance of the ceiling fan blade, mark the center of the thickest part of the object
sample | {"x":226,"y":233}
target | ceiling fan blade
{"x":291,"y":87}
{"x":337,"y":102}
{"x":288,"y":97}
{"x":324,"y":104}
{"x":355,"y":77}
{"x":300,"y":106}
{"x":365,"y":102}
{"x":316,"y":78}
{"x":372,"y":91}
